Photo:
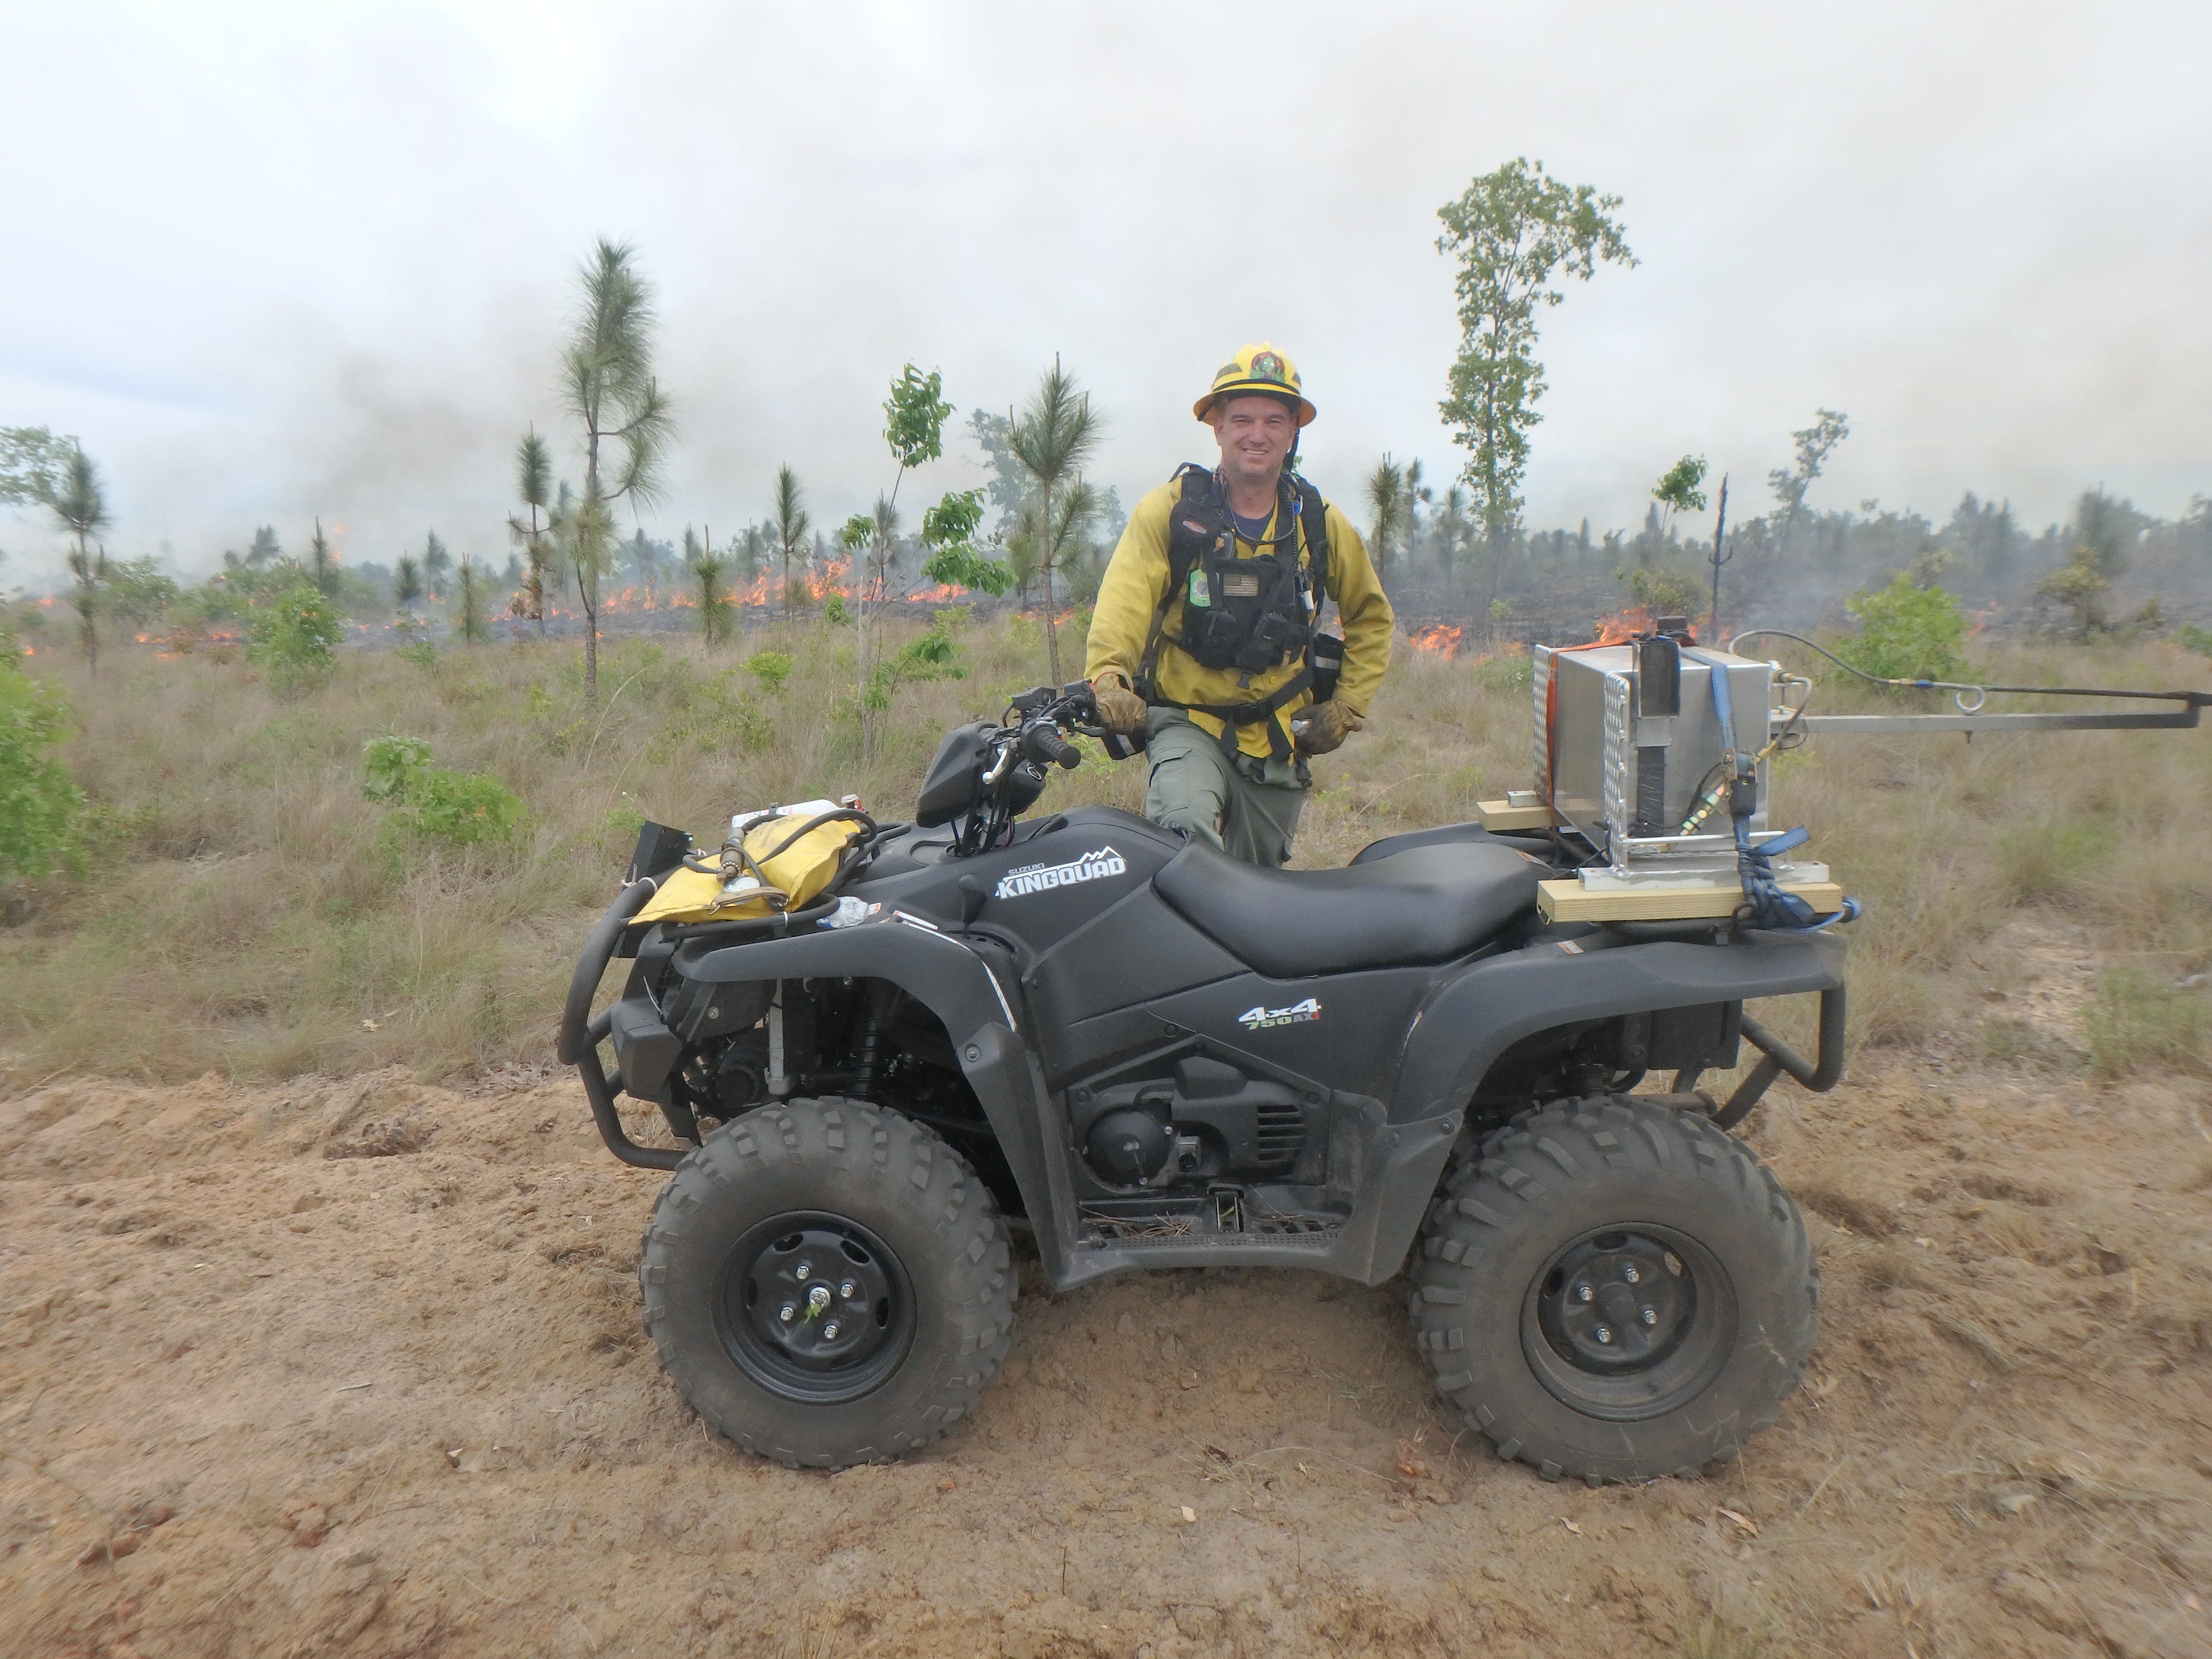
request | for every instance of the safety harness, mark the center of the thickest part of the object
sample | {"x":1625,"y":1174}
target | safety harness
{"x":1249,"y":614}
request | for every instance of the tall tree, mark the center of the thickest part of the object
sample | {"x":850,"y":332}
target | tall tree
{"x":533,"y":484}
{"x":1051,"y":441}
{"x":470,"y":621}
{"x":437,"y":565}
{"x":265,"y":551}
{"x":80,"y":504}
{"x":792,"y":526}
{"x":710,"y":580}
{"x":914,"y":429}
{"x":406,"y":585}
{"x":1815,"y":443}
{"x":32,"y":462}
{"x":1677,"y":490}
{"x":607,"y":376}
{"x":322,"y":562}
{"x":1386,"y":509}
{"x":1417,"y":495}
{"x":1513,"y":232}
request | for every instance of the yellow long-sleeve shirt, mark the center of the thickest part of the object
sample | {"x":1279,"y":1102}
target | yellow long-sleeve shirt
{"x":1137,"y":575}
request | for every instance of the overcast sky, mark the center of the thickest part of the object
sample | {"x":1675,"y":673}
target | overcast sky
{"x":273,"y":260}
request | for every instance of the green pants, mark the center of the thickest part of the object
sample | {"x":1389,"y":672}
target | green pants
{"x":1248,"y":807}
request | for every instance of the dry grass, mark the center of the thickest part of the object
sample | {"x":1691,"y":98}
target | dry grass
{"x":247,"y":916}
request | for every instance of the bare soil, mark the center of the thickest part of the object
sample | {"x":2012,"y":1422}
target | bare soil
{"x":354,"y":1368}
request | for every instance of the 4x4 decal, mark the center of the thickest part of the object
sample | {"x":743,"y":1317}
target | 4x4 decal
{"x":1259,"y":1019}
{"x":1042,"y":878}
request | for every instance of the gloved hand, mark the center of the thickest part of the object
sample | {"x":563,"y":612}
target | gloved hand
{"x":1119,"y":709}
{"x":1325,"y":726}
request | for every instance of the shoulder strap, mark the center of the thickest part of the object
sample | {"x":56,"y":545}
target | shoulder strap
{"x":1194,"y":491}
{"x":1313,"y":511}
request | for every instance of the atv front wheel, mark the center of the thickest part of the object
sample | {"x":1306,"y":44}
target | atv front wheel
{"x":1614,"y":1290}
{"x":828,"y":1283}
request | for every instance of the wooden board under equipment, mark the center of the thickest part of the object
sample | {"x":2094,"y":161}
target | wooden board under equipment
{"x":1570,"y":901}
{"x":1503,"y":815}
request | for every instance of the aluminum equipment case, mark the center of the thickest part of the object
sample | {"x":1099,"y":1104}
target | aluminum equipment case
{"x":1625,"y":736}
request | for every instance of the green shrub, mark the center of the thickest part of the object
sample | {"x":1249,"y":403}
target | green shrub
{"x":2197,"y":639}
{"x":1664,"y":592}
{"x":40,"y":805}
{"x":1905,"y":633}
{"x":1511,"y":669}
{"x":295,"y":634}
{"x":2135,"y":1022}
{"x":461,"y":809}
{"x":770,"y":668}
{"x":935,"y":656}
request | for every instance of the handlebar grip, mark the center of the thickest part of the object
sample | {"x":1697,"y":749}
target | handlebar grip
{"x":1042,"y":742}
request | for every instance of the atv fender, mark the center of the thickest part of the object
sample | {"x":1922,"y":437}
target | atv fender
{"x":956,"y":985}
{"x":1471,"y":1018}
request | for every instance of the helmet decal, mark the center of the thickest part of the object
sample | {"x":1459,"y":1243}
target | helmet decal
{"x":1258,"y":368}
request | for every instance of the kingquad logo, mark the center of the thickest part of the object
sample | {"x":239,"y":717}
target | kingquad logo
{"x":1043,"y":877}
{"x":1259,"y":1019}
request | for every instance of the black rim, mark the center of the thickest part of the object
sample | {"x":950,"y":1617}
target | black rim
{"x":1629,"y":1321}
{"x":815,"y":1308}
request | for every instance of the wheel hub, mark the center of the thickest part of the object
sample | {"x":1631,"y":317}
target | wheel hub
{"x":1630,"y":1320}
{"x":815,"y":1307}
{"x":1617,"y":1303}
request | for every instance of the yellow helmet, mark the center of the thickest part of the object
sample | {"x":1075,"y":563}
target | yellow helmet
{"x":1257,"y":368}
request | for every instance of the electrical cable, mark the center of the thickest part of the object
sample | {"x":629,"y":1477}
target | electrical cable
{"x":1959,"y":690}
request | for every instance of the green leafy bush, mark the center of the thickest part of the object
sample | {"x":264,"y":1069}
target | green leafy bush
{"x":770,"y":668}
{"x":2197,"y":639}
{"x":461,"y":809}
{"x":1905,"y":633}
{"x":295,"y":634}
{"x":40,"y":805}
{"x":1511,"y":669}
{"x":1665,"y":593}
{"x":935,"y":656}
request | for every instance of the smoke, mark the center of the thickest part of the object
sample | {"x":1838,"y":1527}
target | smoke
{"x":300,"y":263}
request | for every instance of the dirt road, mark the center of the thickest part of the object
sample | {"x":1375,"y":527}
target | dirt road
{"x":355,"y":1368}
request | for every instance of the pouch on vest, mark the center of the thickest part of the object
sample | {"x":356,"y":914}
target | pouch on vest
{"x":1328,"y":666}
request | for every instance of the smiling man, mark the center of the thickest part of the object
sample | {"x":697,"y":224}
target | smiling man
{"x":1206,"y":639}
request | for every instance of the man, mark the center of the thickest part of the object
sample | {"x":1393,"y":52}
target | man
{"x":1203,"y":638}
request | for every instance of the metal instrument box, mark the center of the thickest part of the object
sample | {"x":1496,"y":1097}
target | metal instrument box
{"x":1622,"y":753}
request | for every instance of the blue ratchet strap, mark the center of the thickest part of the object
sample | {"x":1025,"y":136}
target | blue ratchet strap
{"x":1770,"y":906}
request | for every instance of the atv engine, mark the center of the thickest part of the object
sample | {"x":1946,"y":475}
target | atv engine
{"x":1207,"y":1121}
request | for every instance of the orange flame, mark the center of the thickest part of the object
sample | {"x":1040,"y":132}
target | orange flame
{"x":1438,"y":637}
{"x":1624,"y":625}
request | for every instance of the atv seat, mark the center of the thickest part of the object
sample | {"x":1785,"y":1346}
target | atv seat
{"x":1423,"y":906}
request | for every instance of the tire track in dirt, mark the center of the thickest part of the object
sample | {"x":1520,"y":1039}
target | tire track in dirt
{"x":259,"y":1396}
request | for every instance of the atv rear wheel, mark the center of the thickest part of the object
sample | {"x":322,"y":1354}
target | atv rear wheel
{"x":828,"y":1283}
{"x":1614,"y":1290}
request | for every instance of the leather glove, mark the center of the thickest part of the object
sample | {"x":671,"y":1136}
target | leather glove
{"x":1325,"y":726}
{"x":1119,"y":709}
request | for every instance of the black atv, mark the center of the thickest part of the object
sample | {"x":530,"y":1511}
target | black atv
{"x":1161,"y":1057}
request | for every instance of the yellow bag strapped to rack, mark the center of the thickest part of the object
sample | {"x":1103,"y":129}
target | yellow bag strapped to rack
{"x":800,"y":869}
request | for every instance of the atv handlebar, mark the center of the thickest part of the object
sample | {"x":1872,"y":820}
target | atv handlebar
{"x":1042,"y":742}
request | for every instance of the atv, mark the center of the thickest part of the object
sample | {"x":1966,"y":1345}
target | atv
{"x":875,"y":1044}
